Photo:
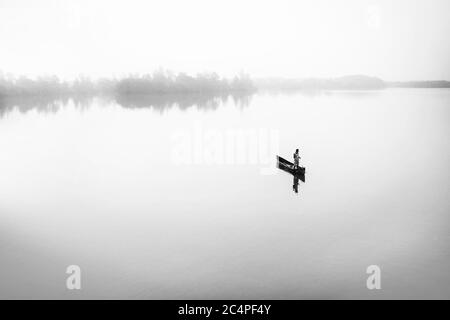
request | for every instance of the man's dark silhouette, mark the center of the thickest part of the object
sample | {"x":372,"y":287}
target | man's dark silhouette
{"x":296,"y":159}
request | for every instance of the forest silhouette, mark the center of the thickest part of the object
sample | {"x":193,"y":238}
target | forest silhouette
{"x":160,"y":90}
{"x":165,"y":89}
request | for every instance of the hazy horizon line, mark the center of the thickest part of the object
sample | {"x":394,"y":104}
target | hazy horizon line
{"x":123,"y":75}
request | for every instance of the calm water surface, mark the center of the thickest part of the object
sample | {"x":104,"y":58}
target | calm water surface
{"x":100,"y":185}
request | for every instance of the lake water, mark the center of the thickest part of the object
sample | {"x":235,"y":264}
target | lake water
{"x":182,"y":200}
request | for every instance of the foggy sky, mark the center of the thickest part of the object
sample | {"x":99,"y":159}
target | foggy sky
{"x":394,"y":40}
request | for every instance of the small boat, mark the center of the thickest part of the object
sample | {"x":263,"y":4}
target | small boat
{"x":288,"y":166}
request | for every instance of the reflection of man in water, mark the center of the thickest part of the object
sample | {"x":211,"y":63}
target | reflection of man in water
{"x":295,"y":185}
{"x":296,"y":159}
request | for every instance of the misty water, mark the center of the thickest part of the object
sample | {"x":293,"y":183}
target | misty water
{"x":138,"y":196}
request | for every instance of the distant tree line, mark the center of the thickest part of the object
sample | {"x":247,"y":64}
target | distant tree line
{"x":160,"y":90}
{"x":354,"y":82}
{"x":419,"y":84}
{"x":160,"y":82}
{"x":167,"y":82}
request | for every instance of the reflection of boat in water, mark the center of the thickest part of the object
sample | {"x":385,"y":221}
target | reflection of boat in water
{"x":298,"y":173}
{"x":288,"y":166}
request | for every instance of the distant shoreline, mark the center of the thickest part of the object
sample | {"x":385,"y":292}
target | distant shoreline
{"x":160,"y":91}
{"x":168,"y":83}
{"x":354,"y":82}
{"x":418,"y":84}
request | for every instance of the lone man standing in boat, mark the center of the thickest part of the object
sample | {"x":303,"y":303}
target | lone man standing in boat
{"x":296,"y":159}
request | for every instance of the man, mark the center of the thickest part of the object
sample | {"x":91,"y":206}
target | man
{"x":296,"y":159}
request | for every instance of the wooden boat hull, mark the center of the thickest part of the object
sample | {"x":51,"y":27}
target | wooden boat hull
{"x":288,"y":166}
